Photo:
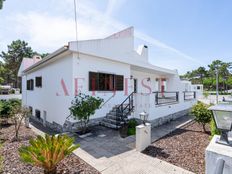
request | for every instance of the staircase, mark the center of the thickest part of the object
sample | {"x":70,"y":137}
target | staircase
{"x":119,"y":114}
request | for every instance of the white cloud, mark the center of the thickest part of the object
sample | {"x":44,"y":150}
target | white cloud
{"x":48,"y":31}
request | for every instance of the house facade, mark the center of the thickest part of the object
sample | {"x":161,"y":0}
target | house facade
{"x":111,"y":69}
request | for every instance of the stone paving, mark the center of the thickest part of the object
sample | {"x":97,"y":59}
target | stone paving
{"x":106,"y":151}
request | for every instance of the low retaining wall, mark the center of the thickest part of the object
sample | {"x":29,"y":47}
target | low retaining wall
{"x":162,"y":120}
{"x":75,"y":126}
{"x":54,"y":126}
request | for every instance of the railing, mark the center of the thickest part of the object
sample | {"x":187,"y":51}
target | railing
{"x":107,"y":100}
{"x":124,"y":109}
{"x":189,"y":95}
{"x":166,"y":97}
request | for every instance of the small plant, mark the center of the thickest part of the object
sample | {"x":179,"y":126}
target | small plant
{"x":48,"y":151}
{"x":213,"y":128}
{"x":18,"y":114}
{"x":202,"y":114}
{"x":6,"y":109}
{"x":132,"y":127}
{"x":83,"y":106}
{"x":206,"y":94}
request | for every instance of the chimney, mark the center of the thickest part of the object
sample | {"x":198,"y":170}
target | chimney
{"x":36,"y":58}
{"x":143,"y":51}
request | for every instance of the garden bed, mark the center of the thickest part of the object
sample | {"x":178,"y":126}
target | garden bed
{"x":12,"y":164}
{"x":184,"y":147}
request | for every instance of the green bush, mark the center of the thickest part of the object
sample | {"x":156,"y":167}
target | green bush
{"x":7,"y":107}
{"x":83,"y":106}
{"x":132,"y":127}
{"x":48,"y":151}
{"x":213,"y":128}
{"x":202,"y":114}
{"x":206,"y":94}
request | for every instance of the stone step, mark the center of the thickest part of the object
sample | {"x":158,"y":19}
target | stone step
{"x":113,"y":112}
{"x":113,"y":116}
{"x":110,"y":116}
{"x":109,"y":125}
{"x":108,"y":120}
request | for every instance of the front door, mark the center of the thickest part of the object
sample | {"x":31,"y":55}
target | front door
{"x":135,"y":85}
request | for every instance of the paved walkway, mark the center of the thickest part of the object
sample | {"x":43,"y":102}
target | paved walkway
{"x":105,"y":150}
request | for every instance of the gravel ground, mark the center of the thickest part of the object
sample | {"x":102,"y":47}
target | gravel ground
{"x":184,"y":147}
{"x":12,"y":164}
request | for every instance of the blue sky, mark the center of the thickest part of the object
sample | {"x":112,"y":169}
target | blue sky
{"x":180,"y":34}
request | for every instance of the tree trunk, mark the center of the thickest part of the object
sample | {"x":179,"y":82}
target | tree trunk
{"x":51,"y":171}
{"x":203,"y":125}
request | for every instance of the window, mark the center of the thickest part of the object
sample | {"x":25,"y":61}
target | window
{"x":198,"y":87}
{"x":38,"y":81}
{"x":105,"y":82}
{"x":119,"y":82}
{"x":37,"y":114}
{"x":30,"y":84}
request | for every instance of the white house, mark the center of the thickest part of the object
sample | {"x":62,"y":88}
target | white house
{"x":198,"y":88}
{"x":109,"y":68}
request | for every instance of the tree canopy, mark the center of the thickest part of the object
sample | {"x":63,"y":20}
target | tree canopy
{"x":207,"y":76}
{"x":1,"y":4}
{"x":12,"y":59}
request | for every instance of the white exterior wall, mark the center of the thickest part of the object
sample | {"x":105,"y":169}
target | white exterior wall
{"x":86,"y":63}
{"x":142,"y":84}
{"x":164,"y":110}
{"x":50,"y":97}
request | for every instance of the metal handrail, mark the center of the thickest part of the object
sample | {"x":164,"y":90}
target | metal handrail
{"x":120,"y":109}
{"x":107,"y":100}
{"x":193,"y":95}
{"x":170,"y":99}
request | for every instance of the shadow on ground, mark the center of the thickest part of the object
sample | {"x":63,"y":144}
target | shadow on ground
{"x":104,"y":142}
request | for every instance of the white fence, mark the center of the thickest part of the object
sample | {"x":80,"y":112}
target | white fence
{"x":11,"y":96}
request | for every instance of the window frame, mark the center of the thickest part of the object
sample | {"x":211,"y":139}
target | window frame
{"x":37,"y":80}
{"x":113,"y":84}
{"x":30,"y":85}
{"x":38,"y":111}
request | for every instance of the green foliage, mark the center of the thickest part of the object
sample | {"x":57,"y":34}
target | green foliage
{"x":213,"y":128}
{"x":1,"y":4}
{"x":7,"y":107}
{"x":206,"y":94}
{"x":132,"y":127}
{"x":17,"y":115}
{"x":202,"y":114}
{"x":48,"y":151}
{"x":17,"y":50}
{"x":83,"y":106}
{"x":207,"y":77}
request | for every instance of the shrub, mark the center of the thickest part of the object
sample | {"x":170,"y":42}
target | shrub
{"x":213,"y":128}
{"x":47,"y":152}
{"x":8,"y":106}
{"x":132,"y":127}
{"x":206,"y":94}
{"x":83,"y":106}
{"x":18,"y":114}
{"x":202,"y":114}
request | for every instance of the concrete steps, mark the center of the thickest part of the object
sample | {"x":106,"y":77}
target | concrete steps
{"x":111,"y":119}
